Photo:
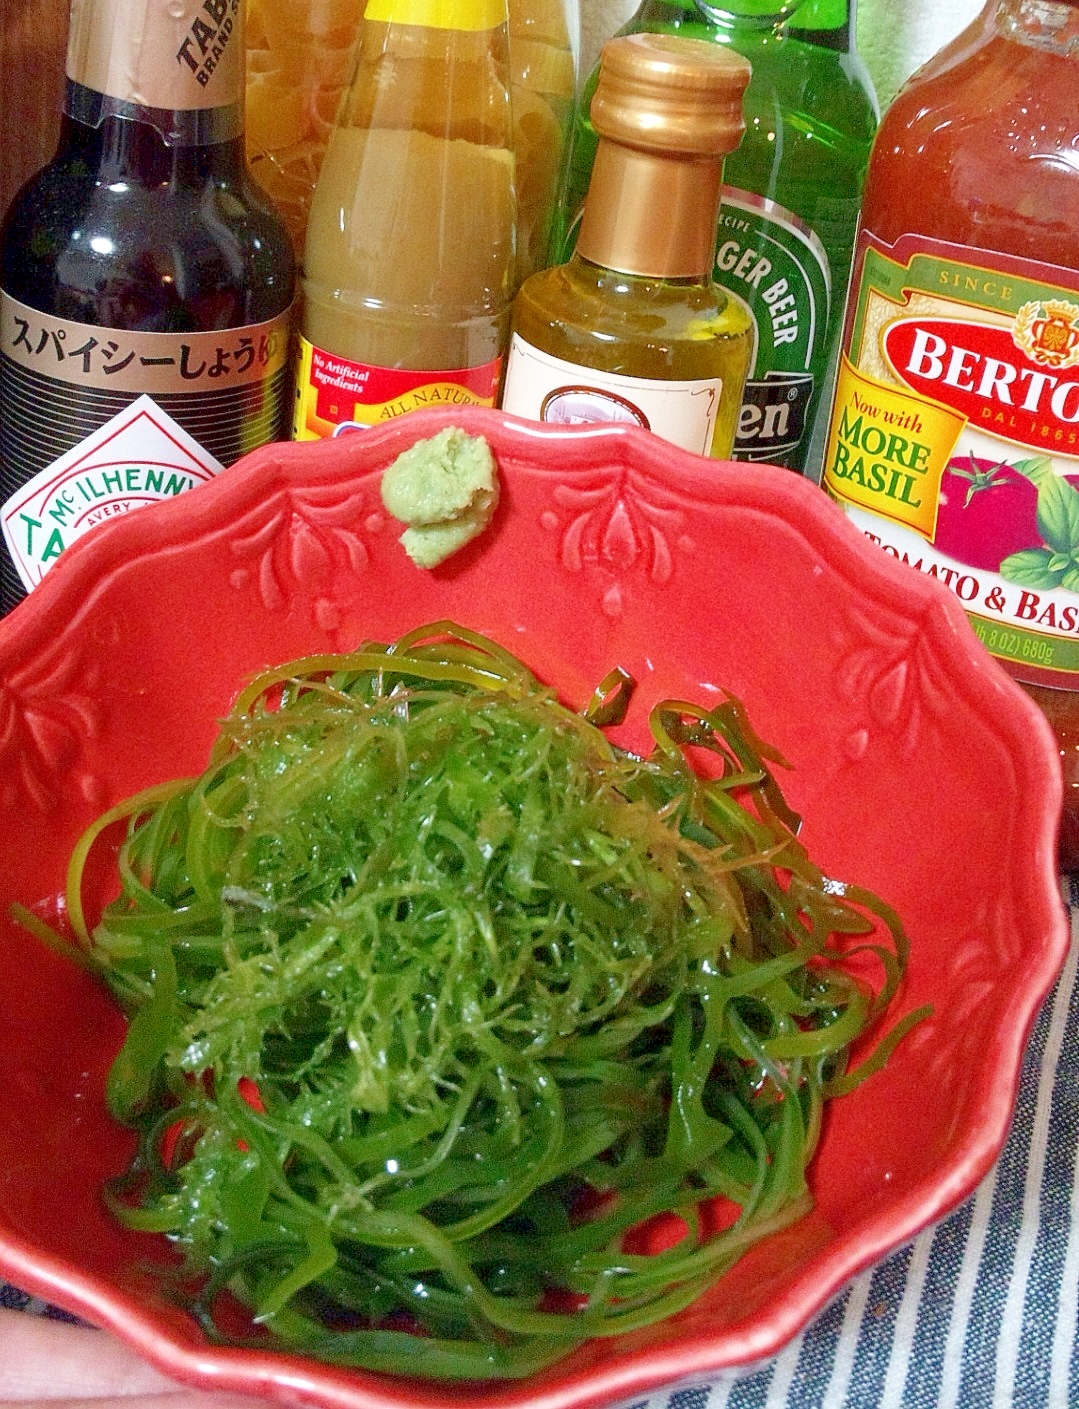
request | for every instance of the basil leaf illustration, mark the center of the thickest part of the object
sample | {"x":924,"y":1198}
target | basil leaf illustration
{"x":1030,"y":568}
{"x":1058,"y":514}
{"x":1036,"y":469}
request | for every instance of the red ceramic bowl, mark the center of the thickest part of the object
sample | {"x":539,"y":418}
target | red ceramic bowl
{"x":921,"y":769}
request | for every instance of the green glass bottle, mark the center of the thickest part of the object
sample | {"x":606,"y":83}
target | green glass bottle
{"x":790,"y":203}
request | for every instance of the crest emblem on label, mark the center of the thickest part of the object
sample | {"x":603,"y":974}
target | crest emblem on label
{"x":1048,"y":333}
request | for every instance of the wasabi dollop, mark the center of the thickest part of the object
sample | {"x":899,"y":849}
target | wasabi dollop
{"x":445,"y":488}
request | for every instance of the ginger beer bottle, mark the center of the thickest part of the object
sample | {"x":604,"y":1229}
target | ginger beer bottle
{"x":790,"y":205}
{"x":145,"y":284}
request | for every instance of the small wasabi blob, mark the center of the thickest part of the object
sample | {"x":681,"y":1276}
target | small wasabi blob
{"x":445,"y":489}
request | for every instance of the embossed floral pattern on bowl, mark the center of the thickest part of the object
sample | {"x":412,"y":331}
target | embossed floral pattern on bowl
{"x":921,"y":771}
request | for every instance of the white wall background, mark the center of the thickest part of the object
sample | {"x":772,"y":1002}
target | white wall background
{"x":895,"y":36}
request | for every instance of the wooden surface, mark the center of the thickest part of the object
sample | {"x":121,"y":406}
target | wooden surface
{"x":33,"y":35}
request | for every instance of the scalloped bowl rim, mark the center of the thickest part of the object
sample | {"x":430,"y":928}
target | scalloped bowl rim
{"x":68,"y":593}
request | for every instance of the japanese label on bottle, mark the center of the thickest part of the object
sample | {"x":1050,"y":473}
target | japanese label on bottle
{"x":778,"y":267}
{"x":60,"y":381}
{"x":335,"y":394}
{"x":545,"y":388}
{"x":137,"y":458}
{"x":954,"y":437}
{"x":210,"y":397}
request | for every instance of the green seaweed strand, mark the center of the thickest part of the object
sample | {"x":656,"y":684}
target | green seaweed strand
{"x":440,"y":1002}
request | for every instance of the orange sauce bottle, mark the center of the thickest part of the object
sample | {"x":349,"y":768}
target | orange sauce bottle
{"x":954,"y":435}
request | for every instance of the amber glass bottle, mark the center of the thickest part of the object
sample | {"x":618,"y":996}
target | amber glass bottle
{"x":142,"y":262}
{"x":633,"y":327}
{"x":543,"y":49}
{"x":954,"y":437}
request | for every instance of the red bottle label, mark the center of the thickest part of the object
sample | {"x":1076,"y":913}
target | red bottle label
{"x":335,"y":394}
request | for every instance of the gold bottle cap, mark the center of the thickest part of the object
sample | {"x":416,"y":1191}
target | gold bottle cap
{"x":661,"y":92}
{"x":666,"y":110}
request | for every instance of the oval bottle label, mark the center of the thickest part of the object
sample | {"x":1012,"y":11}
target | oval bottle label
{"x":954,"y":437}
{"x":545,"y":388}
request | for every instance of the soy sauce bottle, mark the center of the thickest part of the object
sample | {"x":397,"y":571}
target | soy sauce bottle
{"x":145,"y":284}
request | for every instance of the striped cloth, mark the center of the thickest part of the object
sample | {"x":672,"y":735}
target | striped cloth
{"x":980,"y":1311}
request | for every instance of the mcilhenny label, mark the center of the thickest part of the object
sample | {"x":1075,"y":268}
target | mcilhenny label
{"x":96,"y":421}
{"x":777,"y":266}
{"x":139,"y":457}
{"x":954,"y":437}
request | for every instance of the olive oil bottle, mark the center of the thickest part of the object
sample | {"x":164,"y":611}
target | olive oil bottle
{"x":790,"y":207}
{"x":633,"y":327}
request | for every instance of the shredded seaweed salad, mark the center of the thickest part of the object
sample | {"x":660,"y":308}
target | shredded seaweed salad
{"x":440,"y":1002}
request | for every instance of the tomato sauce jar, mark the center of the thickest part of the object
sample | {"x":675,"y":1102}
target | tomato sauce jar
{"x":954,"y":435}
